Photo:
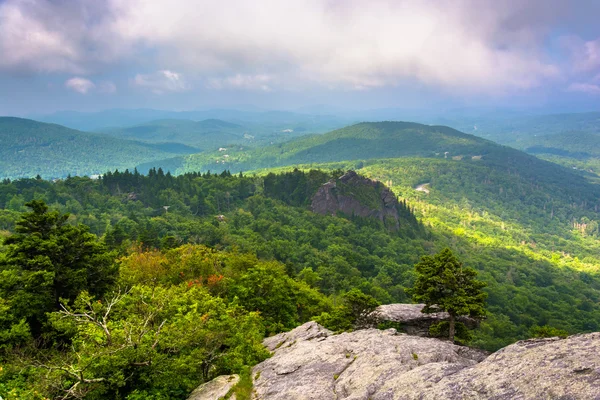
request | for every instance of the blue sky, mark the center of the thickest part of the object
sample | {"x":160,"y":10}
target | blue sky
{"x":285,"y":54}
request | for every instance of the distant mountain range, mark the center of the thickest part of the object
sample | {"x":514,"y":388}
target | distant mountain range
{"x":363,"y":141}
{"x":262,"y":121}
{"x":209,"y":134}
{"x":29,"y":148}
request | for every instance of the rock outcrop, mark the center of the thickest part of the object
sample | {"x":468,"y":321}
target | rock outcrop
{"x":215,"y":389}
{"x":312,"y":363}
{"x":355,"y":195}
{"x":413,"y":321}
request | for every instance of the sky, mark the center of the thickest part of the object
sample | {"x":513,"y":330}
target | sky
{"x":286,"y":54}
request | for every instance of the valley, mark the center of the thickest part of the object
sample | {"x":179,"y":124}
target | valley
{"x":528,"y":226}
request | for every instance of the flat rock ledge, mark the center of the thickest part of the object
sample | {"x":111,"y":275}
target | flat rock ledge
{"x":215,"y":389}
{"x":415,"y":322}
{"x":311,"y":362}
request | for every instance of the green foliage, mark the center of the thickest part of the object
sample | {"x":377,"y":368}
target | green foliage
{"x":576,"y":145}
{"x":209,"y":134}
{"x":31,"y":148}
{"x":362,"y":141}
{"x":243,"y":389}
{"x":539,"y":269}
{"x":462,"y":334}
{"x":547,"y":331}
{"x":443,"y":284}
{"x":281,"y":301}
{"x":13,"y":332}
{"x":358,"y":311}
{"x":153,"y":341}
{"x":296,"y":188}
{"x":48,"y":260}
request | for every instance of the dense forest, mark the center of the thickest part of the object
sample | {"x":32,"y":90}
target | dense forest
{"x":104,"y":280}
{"x":31,"y":148}
{"x":246,"y":255}
{"x":209,"y":134}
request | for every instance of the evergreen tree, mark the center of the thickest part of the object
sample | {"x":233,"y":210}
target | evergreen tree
{"x":444,"y":284}
{"x":48,"y":260}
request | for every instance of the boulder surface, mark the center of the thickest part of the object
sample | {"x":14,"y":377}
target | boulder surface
{"x":310,"y":362}
{"x":215,"y":389}
{"x":415,"y":322}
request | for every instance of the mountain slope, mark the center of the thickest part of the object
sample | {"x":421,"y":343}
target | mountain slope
{"x":490,"y":193}
{"x":271,"y":121}
{"x":512,"y":130}
{"x":578,"y":145}
{"x":29,"y":148}
{"x":377,"y":140}
{"x":373,"y":140}
{"x":539,"y":270}
{"x":209,"y":134}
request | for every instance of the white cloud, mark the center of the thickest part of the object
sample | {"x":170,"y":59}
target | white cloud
{"x":355,"y":44}
{"x":161,"y":81}
{"x":57,"y":36}
{"x":585,"y":55}
{"x":80,"y":85}
{"x":486,"y":46}
{"x":259,"y":82}
{"x":589,"y":88}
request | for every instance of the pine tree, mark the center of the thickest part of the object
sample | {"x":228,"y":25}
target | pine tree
{"x":47,"y":260}
{"x":444,"y":284}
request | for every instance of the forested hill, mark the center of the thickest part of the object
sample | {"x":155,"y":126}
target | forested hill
{"x":578,"y":145}
{"x":371,"y":140}
{"x":208,"y":134}
{"x":29,"y":148}
{"x":269,"y":217}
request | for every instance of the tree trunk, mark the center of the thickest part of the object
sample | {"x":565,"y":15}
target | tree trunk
{"x":451,"y":328}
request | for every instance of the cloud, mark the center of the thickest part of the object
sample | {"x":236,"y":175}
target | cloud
{"x":161,"y":81}
{"x":584,"y":55}
{"x":485,"y":46}
{"x":588,"y":88}
{"x":80,"y":85}
{"x":239,"y":81}
{"x":57,"y":36}
{"x":468,"y":44}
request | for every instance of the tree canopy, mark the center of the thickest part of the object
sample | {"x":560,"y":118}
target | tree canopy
{"x":47,"y":260}
{"x":444,"y":284}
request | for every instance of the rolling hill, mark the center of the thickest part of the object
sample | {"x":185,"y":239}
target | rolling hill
{"x":29,"y":148}
{"x":209,"y":134}
{"x":257,"y":120}
{"x":369,"y":140}
{"x":518,"y":130}
{"x":492,"y":195}
{"x":578,"y":145}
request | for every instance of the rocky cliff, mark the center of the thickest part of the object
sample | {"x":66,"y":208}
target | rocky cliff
{"x":312,"y":363}
{"x":355,"y":195}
